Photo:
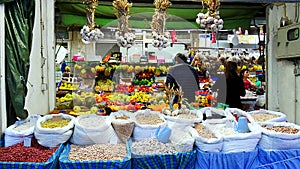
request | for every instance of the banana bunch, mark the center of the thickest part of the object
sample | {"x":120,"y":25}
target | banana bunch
{"x":68,"y":86}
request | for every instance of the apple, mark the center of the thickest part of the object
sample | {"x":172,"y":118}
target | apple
{"x":76,"y":109}
{"x":94,"y":110}
{"x":83,"y":71}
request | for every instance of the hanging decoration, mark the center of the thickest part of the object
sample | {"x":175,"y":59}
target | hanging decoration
{"x":211,"y":19}
{"x":89,"y":33}
{"x":160,"y":37}
{"x":125,"y":38}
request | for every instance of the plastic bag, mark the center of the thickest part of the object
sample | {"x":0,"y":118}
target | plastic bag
{"x":181,"y":138}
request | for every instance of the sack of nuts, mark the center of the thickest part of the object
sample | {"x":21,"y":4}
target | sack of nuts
{"x":123,"y":124}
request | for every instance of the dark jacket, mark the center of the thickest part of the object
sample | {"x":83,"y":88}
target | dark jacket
{"x":230,"y":90}
{"x":186,"y":76}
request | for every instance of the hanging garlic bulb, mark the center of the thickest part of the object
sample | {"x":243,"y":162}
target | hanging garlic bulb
{"x":160,"y":37}
{"x":124,"y":37}
{"x":88,"y":32}
{"x":210,"y":20}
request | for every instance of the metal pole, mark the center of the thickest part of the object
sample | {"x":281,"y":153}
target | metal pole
{"x":2,"y":71}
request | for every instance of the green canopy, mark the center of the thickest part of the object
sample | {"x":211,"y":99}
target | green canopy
{"x":141,"y":16}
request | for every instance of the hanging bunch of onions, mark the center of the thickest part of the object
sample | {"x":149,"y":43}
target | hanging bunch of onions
{"x":89,"y":33}
{"x":125,"y":38}
{"x":210,"y":20}
{"x":160,"y":37}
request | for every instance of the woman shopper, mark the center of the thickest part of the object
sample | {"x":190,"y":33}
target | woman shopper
{"x":230,"y":87}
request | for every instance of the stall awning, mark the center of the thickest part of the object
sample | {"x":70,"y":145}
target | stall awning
{"x":141,"y":16}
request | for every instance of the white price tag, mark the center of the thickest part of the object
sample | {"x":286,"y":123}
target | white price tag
{"x":27,"y":142}
{"x":114,"y":140}
{"x":208,"y":113}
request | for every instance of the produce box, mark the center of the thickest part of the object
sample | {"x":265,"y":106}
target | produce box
{"x":51,"y":163}
{"x":279,"y":136}
{"x":65,"y":162}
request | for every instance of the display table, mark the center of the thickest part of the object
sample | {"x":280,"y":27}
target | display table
{"x":243,"y":160}
{"x":279,"y":159}
{"x":168,"y":161}
{"x":257,"y":159}
{"x":64,"y":162}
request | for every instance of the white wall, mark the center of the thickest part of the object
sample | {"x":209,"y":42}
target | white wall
{"x":41,"y":95}
{"x":282,"y":84}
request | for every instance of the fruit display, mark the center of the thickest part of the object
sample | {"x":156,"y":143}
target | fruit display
{"x":104,"y":85}
{"x":140,"y":97}
{"x":143,"y":77}
{"x":64,"y":85}
{"x":142,"y":91}
{"x":204,"y":98}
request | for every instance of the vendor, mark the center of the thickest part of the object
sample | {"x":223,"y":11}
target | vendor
{"x":247,"y":82}
{"x":184,"y":75}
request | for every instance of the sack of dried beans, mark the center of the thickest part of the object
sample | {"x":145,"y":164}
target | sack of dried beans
{"x":123,"y":123}
{"x":146,"y":124}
